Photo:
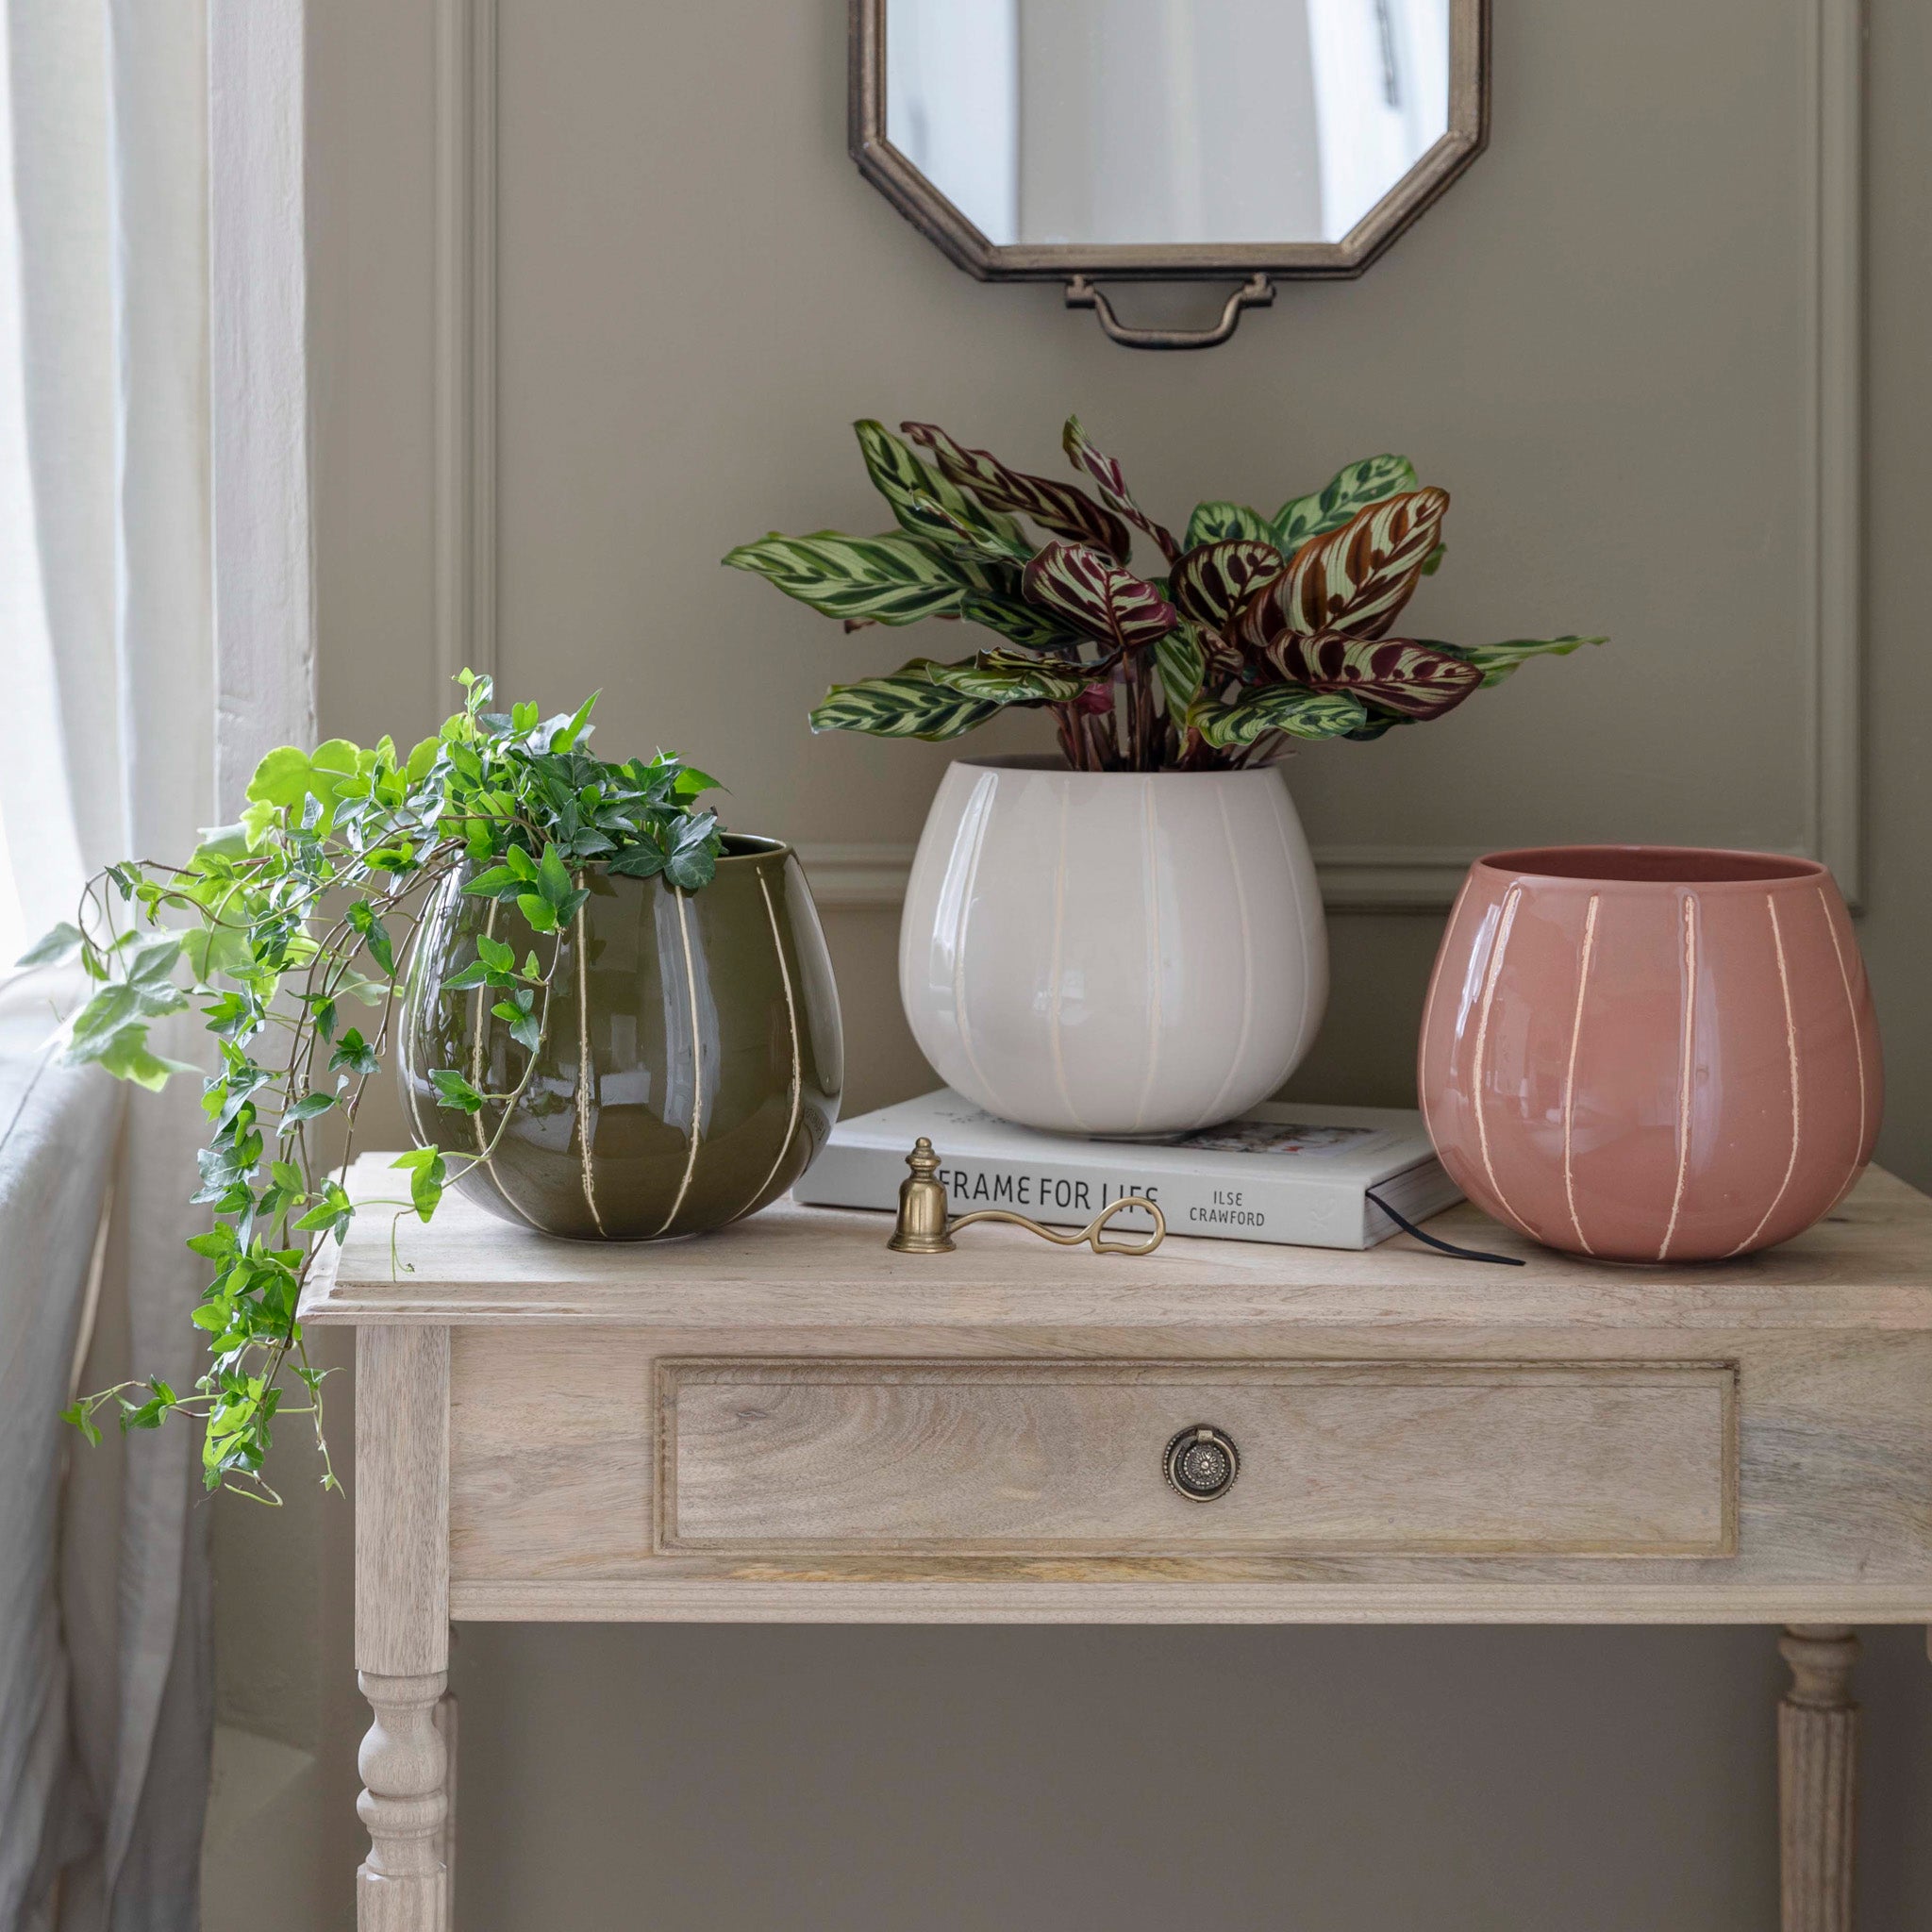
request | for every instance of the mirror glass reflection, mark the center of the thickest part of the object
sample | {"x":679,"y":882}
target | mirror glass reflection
{"x":1149,"y":122}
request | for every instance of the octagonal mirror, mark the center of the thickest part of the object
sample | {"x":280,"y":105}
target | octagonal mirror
{"x":1166,"y":139}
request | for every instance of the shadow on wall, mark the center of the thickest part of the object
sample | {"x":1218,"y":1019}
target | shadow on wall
{"x":1130,"y":1780}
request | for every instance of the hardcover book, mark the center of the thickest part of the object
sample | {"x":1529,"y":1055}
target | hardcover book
{"x":1282,"y":1172}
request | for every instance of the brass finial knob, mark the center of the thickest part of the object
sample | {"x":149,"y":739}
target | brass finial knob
{"x":922,"y":1229}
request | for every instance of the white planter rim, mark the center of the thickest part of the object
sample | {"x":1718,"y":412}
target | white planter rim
{"x":1053,"y":763}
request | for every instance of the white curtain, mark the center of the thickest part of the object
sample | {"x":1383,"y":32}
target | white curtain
{"x":107,"y":659}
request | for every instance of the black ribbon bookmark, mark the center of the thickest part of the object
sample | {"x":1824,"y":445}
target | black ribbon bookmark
{"x":1408,"y":1227}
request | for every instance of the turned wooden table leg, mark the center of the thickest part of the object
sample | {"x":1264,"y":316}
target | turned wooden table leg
{"x":447,"y":1724}
{"x":402,"y":1625}
{"x":403,"y":1885}
{"x":1816,"y":1761}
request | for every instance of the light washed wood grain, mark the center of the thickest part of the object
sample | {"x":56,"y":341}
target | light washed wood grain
{"x":785,"y":1422}
{"x":553,"y":1483}
{"x":1515,"y":1459}
{"x":1818,"y":1780}
{"x":1869,"y":1266}
{"x":1483,"y":1598}
{"x":402,"y":1623}
{"x":401,"y":1500}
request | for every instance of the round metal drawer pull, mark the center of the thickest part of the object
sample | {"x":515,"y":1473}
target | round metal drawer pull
{"x":1202,"y":1463}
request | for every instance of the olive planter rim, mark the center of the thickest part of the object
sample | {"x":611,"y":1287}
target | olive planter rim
{"x":740,"y":848}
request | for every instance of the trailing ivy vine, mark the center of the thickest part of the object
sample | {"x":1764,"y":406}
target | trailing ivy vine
{"x":291,"y":933}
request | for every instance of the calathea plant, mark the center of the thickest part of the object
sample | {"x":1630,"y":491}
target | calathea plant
{"x":276,"y":929}
{"x":1252,"y":631}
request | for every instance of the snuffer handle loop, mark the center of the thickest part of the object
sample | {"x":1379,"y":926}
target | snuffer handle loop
{"x":924,"y":1226}
{"x":1088,"y":1236}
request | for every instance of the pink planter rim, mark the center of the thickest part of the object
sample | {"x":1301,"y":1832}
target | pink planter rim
{"x":1607,"y":867}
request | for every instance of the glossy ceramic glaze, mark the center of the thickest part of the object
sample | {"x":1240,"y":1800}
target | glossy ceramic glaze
{"x":692,"y":1061}
{"x":1112,"y":952}
{"x":1651,"y":1053}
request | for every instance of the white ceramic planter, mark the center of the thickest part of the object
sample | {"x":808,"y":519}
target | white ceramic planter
{"x":1113,"y":953}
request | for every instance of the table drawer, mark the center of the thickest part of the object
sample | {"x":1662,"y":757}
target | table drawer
{"x":789,"y":1457}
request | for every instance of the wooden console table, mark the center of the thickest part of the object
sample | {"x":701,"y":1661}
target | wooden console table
{"x":785,"y":1422}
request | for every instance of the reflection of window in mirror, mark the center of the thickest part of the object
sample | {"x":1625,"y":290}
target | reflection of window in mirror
{"x":1165,"y":120}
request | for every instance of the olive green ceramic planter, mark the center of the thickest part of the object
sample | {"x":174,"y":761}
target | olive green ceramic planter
{"x":692,"y":1060}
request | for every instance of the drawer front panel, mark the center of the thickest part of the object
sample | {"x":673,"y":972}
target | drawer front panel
{"x":791,"y":1457}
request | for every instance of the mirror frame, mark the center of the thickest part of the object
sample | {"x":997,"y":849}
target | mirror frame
{"x":920,"y":201}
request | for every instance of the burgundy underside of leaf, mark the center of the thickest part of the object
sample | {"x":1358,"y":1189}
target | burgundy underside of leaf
{"x":1106,"y":601}
{"x":1113,"y":487}
{"x":1213,"y":581}
{"x":1054,"y":506}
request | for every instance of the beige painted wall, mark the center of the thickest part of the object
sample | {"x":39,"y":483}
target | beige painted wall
{"x":1597,"y":343}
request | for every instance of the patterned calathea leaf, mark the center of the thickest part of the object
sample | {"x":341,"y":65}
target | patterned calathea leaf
{"x":977,"y":535}
{"x":1015,"y":677}
{"x":1181,"y":659}
{"x":925,"y":503}
{"x":1279,"y":708}
{"x":1373,"y":479}
{"x":1497,"y":661}
{"x":1103,"y":600}
{"x":1414,"y":680}
{"x":1112,"y":482}
{"x":1228,"y":523}
{"x":1379,"y":724}
{"x":1211,"y":584}
{"x":1354,"y":579}
{"x":890,"y":579}
{"x":907,"y":703}
{"x":1057,"y":507}
{"x":998,"y":576}
{"x":1224,"y":659}
{"x":1029,"y":625}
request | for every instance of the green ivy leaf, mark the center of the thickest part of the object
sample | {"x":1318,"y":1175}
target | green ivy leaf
{"x":53,"y":948}
{"x":519,"y":1013}
{"x":75,"y":1413}
{"x":310,"y":1107}
{"x":128,"y":1056}
{"x":453,"y":1091}
{"x":505,"y":805}
{"x":553,"y":877}
{"x":354,"y":1055}
{"x":427,"y":1176}
{"x":566,"y":735}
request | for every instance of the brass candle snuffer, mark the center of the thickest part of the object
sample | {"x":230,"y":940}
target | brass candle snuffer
{"x":924,"y":1227}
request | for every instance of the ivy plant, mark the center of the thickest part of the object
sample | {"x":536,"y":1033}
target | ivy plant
{"x":291,"y":933}
{"x":1250,"y":631}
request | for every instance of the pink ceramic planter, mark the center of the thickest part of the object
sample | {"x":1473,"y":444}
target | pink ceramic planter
{"x":1651,"y":1053}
